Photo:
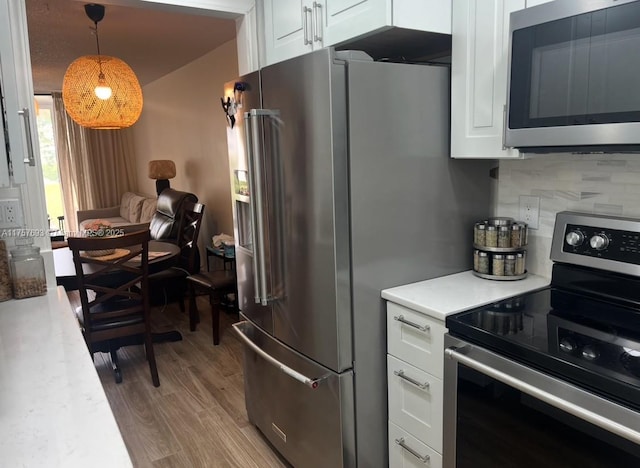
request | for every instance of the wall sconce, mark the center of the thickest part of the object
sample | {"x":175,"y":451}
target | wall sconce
{"x":162,"y":170}
{"x":99,"y":91}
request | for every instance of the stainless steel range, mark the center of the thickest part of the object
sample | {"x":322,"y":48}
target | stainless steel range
{"x":552,"y":377}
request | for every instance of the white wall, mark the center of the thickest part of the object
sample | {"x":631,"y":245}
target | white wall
{"x":605,"y":184}
{"x":182,"y":120}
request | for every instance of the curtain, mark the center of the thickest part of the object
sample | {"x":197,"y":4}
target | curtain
{"x":96,"y":166}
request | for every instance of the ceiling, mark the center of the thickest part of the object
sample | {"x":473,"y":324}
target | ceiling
{"x":153,"y":42}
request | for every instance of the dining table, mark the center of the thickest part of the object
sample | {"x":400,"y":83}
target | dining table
{"x":162,"y":255}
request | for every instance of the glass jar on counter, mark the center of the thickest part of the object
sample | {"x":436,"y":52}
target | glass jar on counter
{"x":510,"y":265}
{"x":479,"y":233}
{"x":520,"y":262}
{"x":483,"y":262}
{"x":6,"y":292}
{"x":491,"y":236}
{"x":504,"y":236}
{"x":27,"y":272}
{"x":497,"y":265}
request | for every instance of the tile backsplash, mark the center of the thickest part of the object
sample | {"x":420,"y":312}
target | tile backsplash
{"x":594,"y":183}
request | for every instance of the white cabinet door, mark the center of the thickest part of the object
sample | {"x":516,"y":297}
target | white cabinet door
{"x":415,"y":402}
{"x":405,"y":451}
{"x":531,"y":3}
{"x":18,"y":104}
{"x":287,"y":29}
{"x":423,"y":15}
{"x":479,"y":60}
{"x":416,"y":338}
{"x":347,"y":19}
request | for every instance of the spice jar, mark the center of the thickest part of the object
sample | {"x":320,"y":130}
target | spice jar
{"x":510,"y":265}
{"x":497,"y":266}
{"x":483,"y":262}
{"x":479,"y":234}
{"x":504,"y":236}
{"x":491,"y":236}
{"x":516,"y":240}
{"x":523,"y":234}
{"x":520,"y":260}
{"x":27,"y":272}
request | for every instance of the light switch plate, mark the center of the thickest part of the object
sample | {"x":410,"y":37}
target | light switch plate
{"x":530,"y":210}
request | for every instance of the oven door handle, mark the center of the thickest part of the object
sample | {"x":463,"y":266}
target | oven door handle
{"x":553,"y":400}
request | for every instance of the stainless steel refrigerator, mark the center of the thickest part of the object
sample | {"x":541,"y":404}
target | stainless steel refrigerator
{"x":342,"y":186}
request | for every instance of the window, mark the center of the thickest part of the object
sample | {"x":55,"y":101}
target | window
{"x":49,"y":160}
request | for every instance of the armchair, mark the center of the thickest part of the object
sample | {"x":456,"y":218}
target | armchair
{"x":165,"y":221}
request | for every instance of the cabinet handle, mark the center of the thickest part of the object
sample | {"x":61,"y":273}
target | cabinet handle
{"x":423,"y":458}
{"x":422,"y":328}
{"x":420,"y":385}
{"x":31,"y":160}
{"x":305,"y":26}
{"x":317,"y":14}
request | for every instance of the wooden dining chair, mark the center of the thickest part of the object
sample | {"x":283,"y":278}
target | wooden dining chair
{"x":114,"y":295}
{"x":174,"y":278}
{"x":218,"y":284}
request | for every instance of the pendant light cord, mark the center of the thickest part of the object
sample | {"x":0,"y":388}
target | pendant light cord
{"x":101,"y":75}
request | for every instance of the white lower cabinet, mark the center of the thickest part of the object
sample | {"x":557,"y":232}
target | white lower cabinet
{"x":415,"y":401}
{"x":408,"y":452}
{"x":415,"y":347}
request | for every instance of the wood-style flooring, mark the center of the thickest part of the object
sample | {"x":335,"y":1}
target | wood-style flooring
{"x":197,"y":417}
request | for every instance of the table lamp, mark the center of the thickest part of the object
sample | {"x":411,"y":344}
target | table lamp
{"x":162,"y":170}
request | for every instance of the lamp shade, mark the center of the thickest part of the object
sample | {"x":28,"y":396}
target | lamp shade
{"x":162,"y":169}
{"x":122,"y":109}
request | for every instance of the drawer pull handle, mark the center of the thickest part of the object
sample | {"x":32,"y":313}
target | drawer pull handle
{"x":421,"y":385}
{"x":422,"y":328}
{"x":423,"y":458}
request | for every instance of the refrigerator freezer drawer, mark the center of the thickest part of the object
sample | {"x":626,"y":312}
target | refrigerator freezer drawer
{"x":304,"y":409}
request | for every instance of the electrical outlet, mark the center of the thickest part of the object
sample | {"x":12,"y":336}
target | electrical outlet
{"x":10,"y":213}
{"x":530,"y":210}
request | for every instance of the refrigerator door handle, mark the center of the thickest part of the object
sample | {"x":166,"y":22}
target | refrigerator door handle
{"x":308,"y":381}
{"x":252,"y":192}
{"x":253,"y":118}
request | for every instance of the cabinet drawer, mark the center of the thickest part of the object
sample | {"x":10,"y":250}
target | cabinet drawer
{"x":405,"y":451}
{"x":415,"y":401}
{"x":416,"y":338}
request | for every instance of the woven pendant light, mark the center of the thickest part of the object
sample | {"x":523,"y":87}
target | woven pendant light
{"x":99,"y":91}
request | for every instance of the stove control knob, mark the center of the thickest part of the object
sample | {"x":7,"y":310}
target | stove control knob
{"x":590,"y":353}
{"x":599,"y":242}
{"x":574,"y":238}
{"x":568,"y":345}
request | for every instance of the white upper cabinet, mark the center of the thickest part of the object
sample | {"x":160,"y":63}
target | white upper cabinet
{"x":479,"y":60}
{"x":295,"y":27}
{"x":348,"y":19}
{"x":290,"y":29}
{"x":532,"y":3}
{"x":16,"y":143}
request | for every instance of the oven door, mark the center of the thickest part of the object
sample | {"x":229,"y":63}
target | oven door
{"x":500,"y":413}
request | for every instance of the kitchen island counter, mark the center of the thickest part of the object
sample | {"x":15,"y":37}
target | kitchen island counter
{"x":450,"y":294}
{"x":53,"y":409}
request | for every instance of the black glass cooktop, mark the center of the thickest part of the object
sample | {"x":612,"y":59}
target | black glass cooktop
{"x":591,"y":342}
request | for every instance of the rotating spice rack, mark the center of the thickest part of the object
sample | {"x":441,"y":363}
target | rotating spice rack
{"x":500,"y":249}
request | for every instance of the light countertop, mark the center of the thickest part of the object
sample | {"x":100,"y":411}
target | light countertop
{"x":53,"y":409}
{"x":450,"y":294}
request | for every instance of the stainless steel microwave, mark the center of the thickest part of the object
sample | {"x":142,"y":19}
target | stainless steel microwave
{"x":574,"y":77}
